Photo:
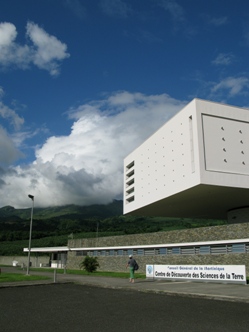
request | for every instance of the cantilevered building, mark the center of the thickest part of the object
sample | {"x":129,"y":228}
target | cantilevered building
{"x":196,"y":165}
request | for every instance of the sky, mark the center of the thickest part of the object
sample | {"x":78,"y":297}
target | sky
{"x":83,"y":83}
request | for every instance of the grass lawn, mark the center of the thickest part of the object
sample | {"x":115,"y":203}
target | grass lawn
{"x":12,"y":277}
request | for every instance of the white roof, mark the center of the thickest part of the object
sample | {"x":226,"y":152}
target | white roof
{"x":141,"y":246}
{"x":47,"y":249}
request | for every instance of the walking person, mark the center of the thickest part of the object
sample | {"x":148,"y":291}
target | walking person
{"x":131,"y":263}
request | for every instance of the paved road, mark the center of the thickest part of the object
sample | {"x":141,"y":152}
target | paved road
{"x":75,"y":307}
{"x":207,"y":290}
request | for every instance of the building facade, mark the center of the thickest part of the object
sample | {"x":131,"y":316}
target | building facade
{"x":196,"y":165}
{"x":216,"y":245}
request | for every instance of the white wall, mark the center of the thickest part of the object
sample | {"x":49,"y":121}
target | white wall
{"x":204,"y":144}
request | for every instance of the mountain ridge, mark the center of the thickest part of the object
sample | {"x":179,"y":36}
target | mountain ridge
{"x":112,"y":209}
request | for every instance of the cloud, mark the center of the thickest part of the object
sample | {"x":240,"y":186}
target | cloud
{"x":76,"y":7}
{"x":176,"y":11}
{"x":86,"y":166}
{"x":1,"y":92}
{"x":217,"y":21}
{"x":7,"y":34}
{"x":179,"y":21}
{"x":7,"y":113}
{"x":234,"y":85}
{"x":224,"y":59}
{"x":46,"y":51}
{"x":115,"y":8}
{"x":10,"y":52}
{"x":8,"y":148}
{"x":49,"y":51}
{"x":8,"y":152}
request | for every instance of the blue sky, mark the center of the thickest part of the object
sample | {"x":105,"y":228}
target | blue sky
{"x":83,"y":83}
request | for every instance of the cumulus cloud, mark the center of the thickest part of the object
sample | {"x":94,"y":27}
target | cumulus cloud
{"x":12,"y":53}
{"x":86,"y":166}
{"x":45,"y":51}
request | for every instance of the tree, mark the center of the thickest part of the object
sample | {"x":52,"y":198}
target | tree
{"x":90,"y":264}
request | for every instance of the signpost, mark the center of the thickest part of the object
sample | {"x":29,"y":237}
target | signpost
{"x":204,"y":273}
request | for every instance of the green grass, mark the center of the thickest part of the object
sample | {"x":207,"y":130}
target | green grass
{"x":13,"y":277}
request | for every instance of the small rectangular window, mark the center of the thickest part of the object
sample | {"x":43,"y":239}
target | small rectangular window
{"x":204,"y":250}
{"x":130,"y":182}
{"x":238,"y":248}
{"x":129,"y":191}
{"x":130,"y":174}
{"x":176,"y":251}
{"x":130,"y":165}
{"x":188,"y":251}
{"x":140,"y":251}
{"x":130,"y":199}
{"x":149,"y":252}
{"x":162,"y":251}
{"x":222,"y":249}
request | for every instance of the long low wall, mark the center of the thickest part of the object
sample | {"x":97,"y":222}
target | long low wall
{"x":23,"y":260}
{"x":118,"y":263}
{"x":213,"y":233}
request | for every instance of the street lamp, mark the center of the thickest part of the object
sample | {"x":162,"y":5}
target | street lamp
{"x":30,"y":231}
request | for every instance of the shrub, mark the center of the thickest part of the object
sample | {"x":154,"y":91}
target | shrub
{"x":90,"y":264}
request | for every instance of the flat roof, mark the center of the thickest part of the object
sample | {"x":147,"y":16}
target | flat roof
{"x":141,"y":246}
{"x":47,"y":249}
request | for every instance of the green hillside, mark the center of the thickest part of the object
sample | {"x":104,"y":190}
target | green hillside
{"x":92,"y":211}
{"x":53,"y":226}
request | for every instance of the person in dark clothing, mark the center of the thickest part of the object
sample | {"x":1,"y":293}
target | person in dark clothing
{"x":131,"y":263}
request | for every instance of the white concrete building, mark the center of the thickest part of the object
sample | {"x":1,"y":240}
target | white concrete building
{"x":196,"y":165}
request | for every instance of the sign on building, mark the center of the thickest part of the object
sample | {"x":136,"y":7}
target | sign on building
{"x":210,"y":273}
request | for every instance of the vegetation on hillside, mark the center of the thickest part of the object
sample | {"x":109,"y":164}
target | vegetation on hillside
{"x":54,"y":226}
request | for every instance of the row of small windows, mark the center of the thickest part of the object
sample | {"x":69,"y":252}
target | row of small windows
{"x":130,"y":189}
{"x":195,"y":250}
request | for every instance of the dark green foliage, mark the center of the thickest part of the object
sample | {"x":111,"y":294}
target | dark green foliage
{"x":90,"y":264}
{"x":52,"y":226}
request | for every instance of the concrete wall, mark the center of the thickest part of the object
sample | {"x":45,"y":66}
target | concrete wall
{"x":214,"y":233}
{"x":118,"y":263}
{"x":195,"y":164}
{"x":36,"y":261}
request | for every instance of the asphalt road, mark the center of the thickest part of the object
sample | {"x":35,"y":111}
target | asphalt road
{"x":70,"y":307}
